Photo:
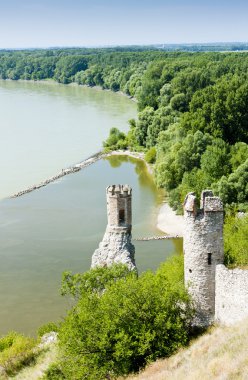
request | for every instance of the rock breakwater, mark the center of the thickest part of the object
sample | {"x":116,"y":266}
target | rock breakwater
{"x":73,"y":169}
{"x":77,"y":167}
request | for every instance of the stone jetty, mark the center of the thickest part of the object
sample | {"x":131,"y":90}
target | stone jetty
{"x":89,"y":161}
{"x":73,"y":169}
{"x":163,"y":237}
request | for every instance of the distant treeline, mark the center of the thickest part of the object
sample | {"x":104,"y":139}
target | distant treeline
{"x":193,"y":109}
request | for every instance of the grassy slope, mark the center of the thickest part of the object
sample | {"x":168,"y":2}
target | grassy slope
{"x":222,"y":353}
{"x":37,"y":370}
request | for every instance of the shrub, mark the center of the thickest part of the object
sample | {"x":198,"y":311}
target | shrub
{"x":116,"y":140}
{"x":54,"y":372}
{"x":47,"y":328}
{"x":94,"y":280}
{"x":134,"y":321}
{"x":150,"y":155}
{"x":236,"y":241}
{"x":16,"y":351}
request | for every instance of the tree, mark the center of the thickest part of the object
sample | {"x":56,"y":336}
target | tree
{"x":134,"y":321}
{"x":116,"y":140}
{"x":236,"y":241}
{"x":215,"y":160}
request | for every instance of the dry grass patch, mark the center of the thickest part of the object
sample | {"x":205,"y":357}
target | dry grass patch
{"x":222,"y":353}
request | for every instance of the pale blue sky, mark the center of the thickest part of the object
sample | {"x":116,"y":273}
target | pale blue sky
{"x":45,"y":23}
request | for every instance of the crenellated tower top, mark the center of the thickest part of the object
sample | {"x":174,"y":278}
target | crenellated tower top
{"x":119,"y":207}
{"x":208,"y":203}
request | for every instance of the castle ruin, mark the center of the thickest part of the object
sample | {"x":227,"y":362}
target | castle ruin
{"x":219,"y":294}
{"x":203,"y":250}
{"x":116,"y":246}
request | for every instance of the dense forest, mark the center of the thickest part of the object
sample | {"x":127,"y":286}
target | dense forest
{"x":193,"y":110}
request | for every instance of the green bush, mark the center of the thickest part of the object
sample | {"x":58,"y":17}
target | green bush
{"x":94,"y":280}
{"x":47,"y":328}
{"x":54,"y":373}
{"x":236,"y":241}
{"x":135,"y":320}
{"x":16,"y":351}
{"x":116,"y":140}
{"x":150,"y":155}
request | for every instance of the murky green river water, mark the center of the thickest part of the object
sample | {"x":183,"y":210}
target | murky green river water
{"x":58,"y":227}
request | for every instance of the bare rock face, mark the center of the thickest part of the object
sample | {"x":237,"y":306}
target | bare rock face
{"x":116,"y":246}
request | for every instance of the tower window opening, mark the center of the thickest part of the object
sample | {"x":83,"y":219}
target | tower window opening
{"x":121,"y":216}
{"x":209,"y":258}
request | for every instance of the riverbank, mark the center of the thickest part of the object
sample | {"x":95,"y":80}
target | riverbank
{"x":167,"y":221}
{"x":73,"y":84}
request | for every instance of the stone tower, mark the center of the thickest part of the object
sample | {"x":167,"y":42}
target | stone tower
{"x":203,"y":250}
{"x":116,"y":246}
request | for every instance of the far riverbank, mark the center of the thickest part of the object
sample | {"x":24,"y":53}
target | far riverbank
{"x":73,"y":84}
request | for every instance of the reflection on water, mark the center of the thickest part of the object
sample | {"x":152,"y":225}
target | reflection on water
{"x":57,"y":228}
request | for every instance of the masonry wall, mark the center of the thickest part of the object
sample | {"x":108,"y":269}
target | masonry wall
{"x":231,"y":295}
{"x":203,"y":250}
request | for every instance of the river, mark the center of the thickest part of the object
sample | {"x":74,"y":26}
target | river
{"x":58,"y":227}
{"x":46,"y":127}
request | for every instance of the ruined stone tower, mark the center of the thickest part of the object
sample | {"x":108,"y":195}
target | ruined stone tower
{"x":116,"y":246}
{"x":203,"y":250}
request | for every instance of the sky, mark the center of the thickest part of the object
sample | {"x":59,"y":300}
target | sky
{"x":49,"y":23}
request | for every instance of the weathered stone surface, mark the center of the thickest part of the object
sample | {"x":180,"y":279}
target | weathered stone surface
{"x":203,"y":250}
{"x":231,"y":300}
{"x":116,"y":246}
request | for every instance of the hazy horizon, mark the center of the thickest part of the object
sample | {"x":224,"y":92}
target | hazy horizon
{"x":97,"y":23}
{"x":123,"y":45}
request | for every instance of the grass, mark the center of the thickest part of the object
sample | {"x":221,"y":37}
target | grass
{"x":42,"y":363}
{"x":221,"y":353}
{"x":16,"y":351}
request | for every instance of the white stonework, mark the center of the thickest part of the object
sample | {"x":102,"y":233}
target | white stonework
{"x":116,"y":246}
{"x":231,"y":300}
{"x":203,"y":250}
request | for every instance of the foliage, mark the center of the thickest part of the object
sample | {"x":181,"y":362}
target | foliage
{"x":16,"y":351}
{"x":116,"y":140}
{"x":192,"y":108}
{"x":132,"y":322}
{"x":234,"y":188}
{"x":215,"y":160}
{"x":236,"y":240}
{"x":54,"y":372}
{"x":47,"y":328}
{"x":94,"y":280}
{"x":150,"y":155}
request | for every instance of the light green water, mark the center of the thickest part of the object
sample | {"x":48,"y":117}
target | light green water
{"x":58,"y":227}
{"x":45,"y":127}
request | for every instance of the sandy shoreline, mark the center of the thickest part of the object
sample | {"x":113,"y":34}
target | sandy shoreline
{"x":167,"y":220}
